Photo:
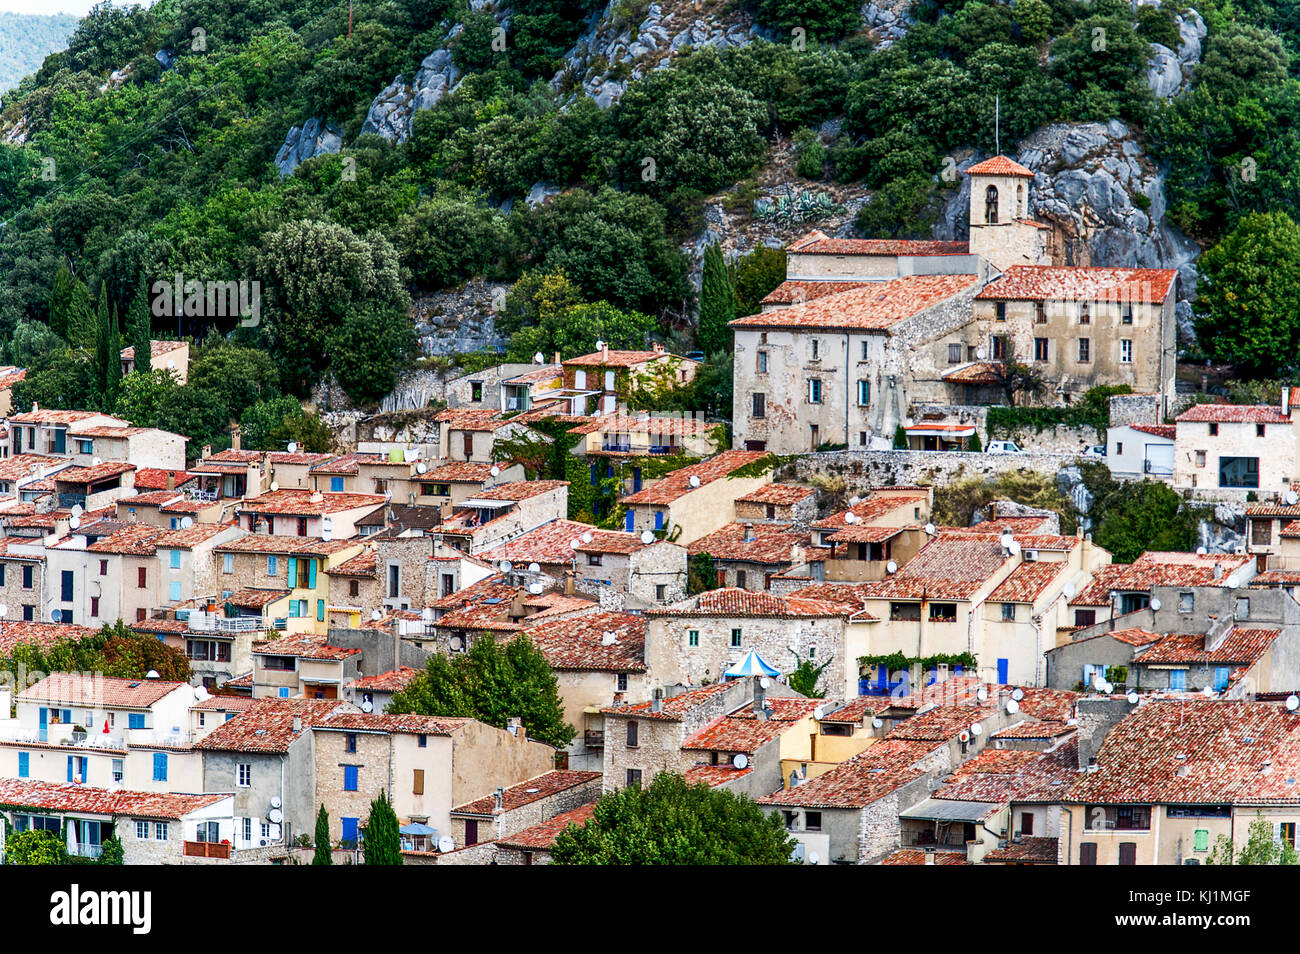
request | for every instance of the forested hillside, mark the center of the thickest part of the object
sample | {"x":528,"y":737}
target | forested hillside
{"x":26,"y":39}
{"x":574,"y":152}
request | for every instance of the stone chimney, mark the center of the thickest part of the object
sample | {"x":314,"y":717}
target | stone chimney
{"x":1218,"y":571}
{"x":929,"y":855}
{"x":749,"y":533}
{"x":568,"y":582}
{"x":207,"y":450}
{"x":236,"y":435}
{"x":297,"y":724}
{"x":171,"y":480}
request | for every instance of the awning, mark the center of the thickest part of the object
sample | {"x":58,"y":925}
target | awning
{"x":951,"y":810}
{"x":751,"y":665}
{"x":415,"y":828}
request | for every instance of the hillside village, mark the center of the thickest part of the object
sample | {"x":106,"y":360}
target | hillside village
{"x":894,"y":689}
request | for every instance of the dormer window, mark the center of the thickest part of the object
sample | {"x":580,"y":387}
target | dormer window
{"x":991,"y":205}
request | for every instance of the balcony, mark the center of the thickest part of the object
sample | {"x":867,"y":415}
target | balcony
{"x":201,"y":622}
{"x":205,"y":496}
{"x":205,"y":849}
{"x":614,"y":447}
{"x":68,"y":501}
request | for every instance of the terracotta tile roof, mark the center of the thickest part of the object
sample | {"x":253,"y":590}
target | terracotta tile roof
{"x":470,"y":419}
{"x":847,"y":595}
{"x":16,"y":632}
{"x":156,"y":349}
{"x":235,"y":456}
{"x":817,"y":242}
{"x":976,"y":372}
{"x":187,"y":538}
{"x":1158,"y":568}
{"x":105,"y":430}
{"x":671,"y":709}
{"x":1028,"y":850}
{"x":151,"y":498}
{"x":542,"y":837}
{"x":93,"y":474}
{"x":348,"y":463}
{"x":779,"y":494}
{"x":255,"y":597}
{"x":67,"y":797}
{"x":1074,"y":283}
{"x":31,"y":542}
{"x":860,"y":533}
{"x":1274,"y":508}
{"x":349,"y":719}
{"x":20,"y":466}
{"x":875,"y":506}
{"x":267,"y":726}
{"x":491,"y":587}
{"x":10,"y":376}
{"x":1233,"y":414}
{"x":392,"y":681}
{"x":953,"y":565}
{"x":1197,"y":752}
{"x":225,"y":704}
{"x":1028,"y":581}
{"x":158,"y":624}
{"x":542,"y":374}
{"x":1275,"y":578}
{"x":304,"y":647}
{"x":306,"y":503}
{"x":1051,"y":704}
{"x":916,"y":856}
{"x":53,"y":416}
{"x":1240,"y":645}
{"x":1291,"y":529}
{"x":999,"y":166}
{"x":874,"y":307}
{"x":942,"y":723}
{"x":135,"y":540}
{"x":519,"y":489}
{"x":1034,"y":730}
{"x":621,"y":359}
{"x":275,"y":543}
{"x":551,"y":543}
{"x":732,"y":601}
{"x":714,"y":775}
{"x":363,"y":564}
{"x":183,"y":505}
{"x":297,"y":458}
{"x":459,"y":471}
{"x":742,"y":732}
{"x":1007,"y":775}
{"x":677,"y":483}
{"x":881,"y":769}
{"x":638,"y":423}
{"x":1167,"y":431}
{"x":772,"y":544}
{"x":795,"y":292}
{"x":239,"y":682}
{"x":579,"y":642}
{"x":103,"y":690}
{"x":527,"y":792}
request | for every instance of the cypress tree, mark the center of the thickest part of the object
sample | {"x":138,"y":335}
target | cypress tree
{"x":383,"y":843}
{"x":138,"y":329}
{"x":72,"y":316}
{"x":717,"y":304}
{"x":323,"y":854}
{"x":113,"y":367}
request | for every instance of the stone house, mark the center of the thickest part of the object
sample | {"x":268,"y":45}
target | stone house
{"x":595,"y":381}
{"x":229,"y":475}
{"x":378,"y":690}
{"x":298,"y":565}
{"x":142,"y":446}
{"x":490,"y":388}
{"x":299,"y":513}
{"x":778,"y":503}
{"x":93,"y":487}
{"x":154,"y":829}
{"x":22,"y":577}
{"x":173,"y":356}
{"x":292,"y":471}
{"x":445,"y":485}
{"x":21,"y":474}
{"x":533,"y":846}
{"x":1119,"y":590}
{"x":502,"y":512}
{"x":1141,"y":450}
{"x":747,"y":555}
{"x":45,"y":430}
{"x":629,"y":435}
{"x":1240,"y":448}
{"x":466,"y":434}
{"x":292,"y":667}
{"x":695,"y":500}
{"x":514,"y":809}
{"x":9,"y":376}
{"x":106,"y":573}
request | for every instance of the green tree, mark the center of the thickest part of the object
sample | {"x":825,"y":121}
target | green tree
{"x":822,"y":19}
{"x":111,"y":851}
{"x":1262,"y":847}
{"x":717,"y":304}
{"x":108,"y":352}
{"x":36,"y":847}
{"x":900,"y":438}
{"x":241,"y":376}
{"x":142,"y":394}
{"x":70,"y":308}
{"x":673,"y":823}
{"x":756,"y":275}
{"x":806,"y":675}
{"x":493,"y":682}
{"x":576,"y":329}
{"x":127,"y":654}
{"x":974,"y":445}
{"x":1145,"y":515}
{"x":1248,"y":302}
{"x":323,"y":855}
{"x":139,"y":330}
{"x":1035,"y":19}
{"x":368,"y":349}
{"x":701,"y":574}
{"x":383,"y":842}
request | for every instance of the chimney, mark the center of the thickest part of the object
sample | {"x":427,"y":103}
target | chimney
{"x":498,"y":800}
{"x":568,"y":583}
{"x":207,"y":450}
{"x":929,"y":855}
{"x":658,"y":348}
{"x":557,"y":358}
{"x":749,"y":533}
{"x":760,"y":699}
{"x":1218,"y":571}
{"x":235,"y":435}
{"x":171,"y":480}
{"x":297,"y":724}
{"x":657,"y":701}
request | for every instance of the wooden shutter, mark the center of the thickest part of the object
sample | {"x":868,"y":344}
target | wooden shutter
{"x":418,"y":787}
{"x":1088,"y":853}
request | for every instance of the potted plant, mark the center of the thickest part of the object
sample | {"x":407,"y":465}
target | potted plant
{"x":78,"y":734}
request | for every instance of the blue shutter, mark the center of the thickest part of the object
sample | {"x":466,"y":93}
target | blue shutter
{"x":284,"y":692}
{"x":160,"y":766}
{"x":67,"y":716}
{"x":659,"y":519}
{"x":135,"y":720}
{"x":629,"y":521}
{"x":174,"y":589}
{"x":293,"y":572}
{"x":349,"y":829}
{"x":1004,"y":667}
{"x":175,"y":559}
{"x":349,"y":778}
{"x":311,"y":574}
{"x":320,"y":610}
{"x":69,"y":768}
{"x":1221,"y":674}
{"x":336,"y":485}
{"x":272,"y":565}
{"x":24,"y":765}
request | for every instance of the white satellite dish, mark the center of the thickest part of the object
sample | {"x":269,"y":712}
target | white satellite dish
{"x":1132,"y":698}
{"x":1233,"y":581}
{"x":695,"y":481}
{"x":445,"y":844}
{"x":575,"y":544}
{"x":647,"y":537}
{"x":275,"y":816}
{"x":56,"y":615}
{"x":981,"y":694}
{"x":1012,"y":706}
{"x":740,"y":760}
{"x":494,"y":470}
{"x":764,"y":682}
{"x":96,"y":461}
{"x":608,"y":639}
{"x":152,"y":674}
{"x":275,"y":801}
{"x":1013,"y":547}
{"x":1201,"y":551}
{"x":293,"y":447}
{"x":850,"y":517}
{"x":74,"y":522}
{"x":77,"y":510}
{"x":814,"y":858}
{"x":1207,"y":692}
{"x":929,"y":529}
{"x":426,"y":615}
{"x":275,"y":485}
{"x":1155,"y":603}
{"x":600,"y":345}
{"x":979,"y":354}
{"x":1017,"y":694}
{"x":976,"y":728}
{"x":376,"y":615}
{"x":587,"y":537}
{"x":1006,"y":539}
{"x":421,"y":468}
{"x":819,"y":713}
{"x":539,"y":358}
{"x":506,"y":566}
{"x":891,"y":567}
{"x":367,"y":705}
{"x":1292,"y":498}
{"x":1068,"y":590}
{"x":877,"y":723}
{"x":1293,"y":702}
{"x":534,"y":568}
{"x":535,"y":588}
{"x":187,"y":522}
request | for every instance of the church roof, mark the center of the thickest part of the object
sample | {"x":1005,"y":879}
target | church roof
{"x":998,"y":166}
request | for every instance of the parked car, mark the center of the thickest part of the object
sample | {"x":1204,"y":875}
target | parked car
{"x":1095,"y":451}
{"x":1003,"y":447}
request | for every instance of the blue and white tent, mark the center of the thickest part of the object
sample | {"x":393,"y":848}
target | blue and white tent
{"x":751,"y":665}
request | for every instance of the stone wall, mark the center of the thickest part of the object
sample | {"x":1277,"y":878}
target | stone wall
{"x":1134,"y":409}
{"x":868,"y":469}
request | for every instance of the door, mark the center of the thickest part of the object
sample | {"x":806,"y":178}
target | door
{"x":471,"y":832}
{"x":814,"y":436}
{"x":469,"y":445}
{"x":65,"y":587}
{"x":1160,"y":460}
{"x":629,"y":521}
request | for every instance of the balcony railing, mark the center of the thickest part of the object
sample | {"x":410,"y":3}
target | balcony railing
{"x":205,"y":849}
{"x":616,"y":448}
{"x":206,"y":496}
{"x":201,"y":622}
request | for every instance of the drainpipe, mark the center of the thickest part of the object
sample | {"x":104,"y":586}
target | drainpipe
{"x":846,"y":389}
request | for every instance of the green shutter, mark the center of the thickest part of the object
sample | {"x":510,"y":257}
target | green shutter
{"x":1202,"y":839}
{"x":293,"y":572}
{"x":320,"y":610}
{"x":311,"y":575}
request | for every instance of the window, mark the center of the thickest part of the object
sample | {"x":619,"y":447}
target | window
{"x":1243,"y":607}
{"x":594,"y":559}
{"x":1000,"y":311}
{"x":954,"y":354}
{"x":160,"y":766}
{"x":476,"y":391}
{"x":1009,"y":612}
{"x":620,"y":682}
{"x":816,"y":347}
{"x":864,"y":349}
{"x":1128,"y":852}
{"x":1119,"y":447}
{"x":1040,"y":313}
{"x":1214,"y":429}
{"x":633,"y":735}
{"x":27,"y":577}
{"x":1125,"y":351}
{"x":422,"y":741}
{"x":1040,"y":349}
{"x":943,"y":612}
{"x":417,"y":782}
{"x":1085,"y":350}
{"x":24,"y":764}
{"x":905,"y":611}
{"x":1261,"y":534}
{"x":762,"y":362}
{"x":812,"y":821}
{"x":142,"y":830}
{"x":272,"y":565}
{"x":244,"y":774}
{"x":1178,"y":679}
{"x":633,"y":777}
{"x":1259,"y":430}
{"x":661,"y":592}
{"x":1127,"y":315}
{"x":1186,"y":602}
{"x":991,"y":205}
{"x":814,"y":390}
{"x":350,"y":742}
{"x":1238,"y":471}
{"x":174,"y":559}
{"x":1085,"y":316}
{"x":1027,"y":823}
{"x":1286,"y":833}
{"x":864,"y":393}
{"x":735,"y":638}
{"x":103,"y":568}
{"x":119,"y":769}
{"x":1200,"y":458}
{"x":350,"y":778}
{"x":999,"y":347}
{"x":336,"y":485}
{"x":740,"y":579}
{"x":693,"y":637}
{"x":65,"y":586}
{"x":142,"y":577}
{"x":94,"y":606}
{"x":162,"y":830}
{"x":135,"y":720}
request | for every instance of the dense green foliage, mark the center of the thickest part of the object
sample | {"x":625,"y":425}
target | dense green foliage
{"x":26,"y":39}
{"x":1092,"y":411}
{"x":1144,"y":515}
{"x":382,"y":842}
{"x":322,"y":855}
{"x":673,"y":823}
{"x":493,"y":682}
{"x":35,"y":847}
{"x":116,"y":650}
{"x":1262,"y":847}
{"x":111,"y":850}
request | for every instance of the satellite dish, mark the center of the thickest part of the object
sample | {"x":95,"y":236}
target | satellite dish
{"x":535,"y":588}
{"x":1133,"y":698}
{"x":367,"y":705}
{"x":506,"y":566}
{"x":74,"y":522}
{"x":426,"y":615}
{"x":1012,"y":706}
{"x":877,"y":723}
{"x":421,"y":468}
{"x":979,"y":354}
{"x":1155,"y":603}
{"x":494,"y":470}
{"x":850,"y":517}
{"x":1068,"y":590}
{"x":152,"y":674}
{"x":1013,"y":548}
{"x":1006,"y":540}
{"x":275,"y":485}
{"x":819,"y":713}
{"x":187,"y":522}
{"x":575,"y":544}
{"x":1233,"y":581}
{"x":376,"y":615}
{"x":695,"y":481}
{"x":764,"y":681}
{"x":647,"y":537}
{"x":534,"y":568}
{"x":608,"y":639}
{"x":77,"y":510}
{"x":1017,"y":694}
{"x":587,"y":537}
{"x":1292,"y":498}
{"x":275,"y":801}
{"x":981,"y":694}
{"x":891,"y":567}
{"x":814,"y":858}
{"x":445,"y":844}
{"x":600,"y":345}
{"x":293,"y":447}
{"x":539,"y":358}
{"x":854,"y":500}
{"x":275,"y":816}
{"x":1207,"y":692}
{"x":56,"y":615}
{"x":1293,"y":702}
{"x":740,"y":760}
{"x":96,"y":461}
{"x":976,"y":728}
{"x":929,"y":529}
{"x":1201,"y":551}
